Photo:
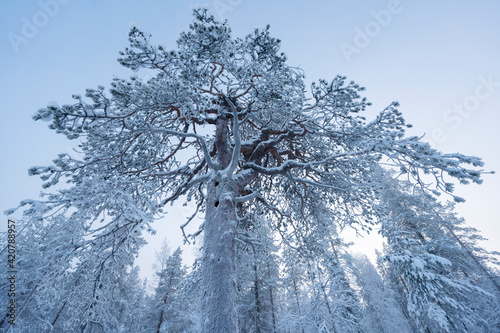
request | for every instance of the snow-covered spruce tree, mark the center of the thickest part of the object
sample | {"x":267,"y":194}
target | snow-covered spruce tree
{"x":224,"y":122}
{"x":425,"y":261}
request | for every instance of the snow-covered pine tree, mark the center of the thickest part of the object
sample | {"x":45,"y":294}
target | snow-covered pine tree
{"x":60,"y":280}
{"x":293,"y":302}
{"x":317,"y":269}
{"x":316,"y":294}
{"x":382,"y":312}
{"x":252,"y":303}
{"x":105,"y":293}
{"x":257,"y":278}
{"x":44,"y":260}
{"x":170,"y":317}
{"x":133,"y":296}
{"x":223,"y":121}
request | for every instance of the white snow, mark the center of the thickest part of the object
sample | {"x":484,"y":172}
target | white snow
{"x":53,"y":104}
{"x":417,"y":263}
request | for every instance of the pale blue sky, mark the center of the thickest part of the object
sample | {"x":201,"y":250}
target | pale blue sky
{"x":435,"y":58}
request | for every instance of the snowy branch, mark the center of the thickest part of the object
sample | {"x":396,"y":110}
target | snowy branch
{"x":199,"y":138}
{"x":237,"y":140}
{"x":246,"y":197}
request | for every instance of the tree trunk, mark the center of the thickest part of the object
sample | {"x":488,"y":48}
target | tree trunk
{"x":256,"y":294}
{"x":218,"y":275}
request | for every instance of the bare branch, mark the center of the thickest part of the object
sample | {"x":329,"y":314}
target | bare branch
{"x":198,"y":137}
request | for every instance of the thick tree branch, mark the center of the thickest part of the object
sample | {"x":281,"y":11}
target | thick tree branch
{"x":237,"y":140}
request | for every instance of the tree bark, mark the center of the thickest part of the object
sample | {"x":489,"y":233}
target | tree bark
{"x":218,"y":279}
{"x":218,"y":274}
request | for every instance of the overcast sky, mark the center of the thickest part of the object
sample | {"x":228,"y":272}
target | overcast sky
{"x":440,"y":60}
